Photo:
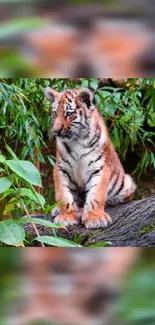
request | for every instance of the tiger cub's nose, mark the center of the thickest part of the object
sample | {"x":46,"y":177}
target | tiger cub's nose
{"x":57,"y":128}
{"x":56,"y":131}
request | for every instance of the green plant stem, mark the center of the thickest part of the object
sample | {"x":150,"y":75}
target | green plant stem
{"x":27,"y":213}
{"x":33,"y":225}
{"x":54,"y":233}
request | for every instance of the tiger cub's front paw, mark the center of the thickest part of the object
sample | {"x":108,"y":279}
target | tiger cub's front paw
{"x":67,"y":219}
{"x":96,"y":219}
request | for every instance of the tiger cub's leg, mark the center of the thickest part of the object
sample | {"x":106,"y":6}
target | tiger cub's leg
{"x":121,"y":192}
{"x":94,"y":215}
{"x":68,"y":210}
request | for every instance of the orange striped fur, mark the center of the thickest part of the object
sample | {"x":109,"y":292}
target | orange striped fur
{"x":88,"y":172}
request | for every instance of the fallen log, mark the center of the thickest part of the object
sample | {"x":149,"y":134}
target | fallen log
{"x":133,"y":225}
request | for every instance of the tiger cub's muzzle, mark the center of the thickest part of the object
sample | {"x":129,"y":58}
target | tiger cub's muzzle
{"x":60,"y":132}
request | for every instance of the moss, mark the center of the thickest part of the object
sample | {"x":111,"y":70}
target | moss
{"x":146,"y":229}
{"x":78,"y":239}
{"x":94,"y":233}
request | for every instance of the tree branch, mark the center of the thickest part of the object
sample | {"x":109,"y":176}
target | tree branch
{"x":133,"y":225}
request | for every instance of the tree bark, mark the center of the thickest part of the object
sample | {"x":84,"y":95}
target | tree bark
{"x":133,"y":225}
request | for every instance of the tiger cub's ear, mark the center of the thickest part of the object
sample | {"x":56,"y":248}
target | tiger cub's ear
{"x":87,"y":97}
{"x":51,"y":94}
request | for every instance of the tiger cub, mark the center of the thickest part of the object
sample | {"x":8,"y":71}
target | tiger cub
{"x":88,"y":172}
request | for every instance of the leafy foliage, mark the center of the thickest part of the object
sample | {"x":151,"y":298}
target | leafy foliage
{"x":130,"y":115}
{"x":23,"y":115}
{"x":26,"y":199}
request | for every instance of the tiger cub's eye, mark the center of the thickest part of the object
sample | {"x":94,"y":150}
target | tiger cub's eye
{"x":68,"y":114}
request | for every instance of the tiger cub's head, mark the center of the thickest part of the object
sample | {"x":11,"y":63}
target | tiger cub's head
{"x":71,"y":112}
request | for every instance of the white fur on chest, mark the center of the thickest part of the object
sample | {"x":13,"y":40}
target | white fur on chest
{"x":80,"y":158}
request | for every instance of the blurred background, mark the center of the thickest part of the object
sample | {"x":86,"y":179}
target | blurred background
{"x":71,"y":38}
{"x":64,"y":286}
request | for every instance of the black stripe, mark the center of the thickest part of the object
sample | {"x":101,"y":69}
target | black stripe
{"x":64,"y":171}
{"x":98,"y":158}
{"x":84,"y":114}
{"x":113,"y":186}
{"x":66,"y":161}
{"x":88,"y":153}
{"x":75,"y":127}
{"x":92,"y":205}
{"x":94,"y":140}
{"x":96,"y":202}
{"x":72,"y":190}
{"x":83,"y":123}
{"x":86,"y":192}
{"x":94,"y":173}
{"x":78,"y":123}
{"x":68,"y":149}
{"x":120,"y":188}
{"x":86,"y":119}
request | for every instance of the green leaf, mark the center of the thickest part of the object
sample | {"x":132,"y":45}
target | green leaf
{"x":153,"y":159}
{"x":5,"y":183}
{"x":51,"y":160}
{"x":9,"y":207}
{"x":11,"y":233}
{"x":13,"y":155}
{"x":2,"y":169}
{"x":101,"y":244}
{"x":28,"y":193}
{"x":143,"y":83}
{"x":56,"y":241}
{"x":26,"y":170}
{"x":42,"y":222}
{"x":35,"y":194}
{"x":94,"y":83}
{"x":41,"y":157}
{"x":84,"y":82}
{"x":25,"y":152}
{"x":2,"y":159}
{"x":104,"y":93}
{"x":51,"y":207}
{"x":7,"y":192}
